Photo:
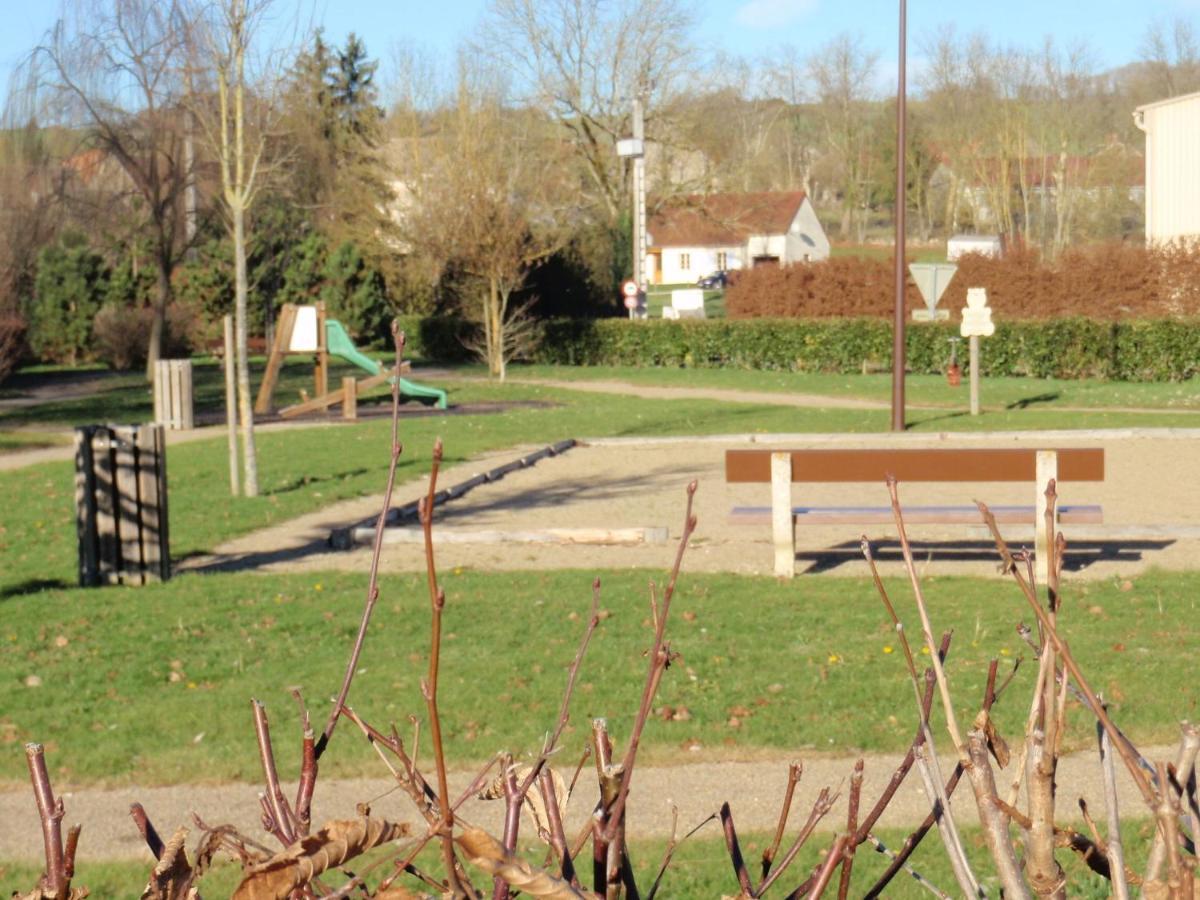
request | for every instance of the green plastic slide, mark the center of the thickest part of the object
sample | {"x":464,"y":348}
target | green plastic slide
{"x":339,"y":344}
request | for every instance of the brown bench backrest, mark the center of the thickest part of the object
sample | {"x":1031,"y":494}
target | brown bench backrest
{"x":1010,"y":464}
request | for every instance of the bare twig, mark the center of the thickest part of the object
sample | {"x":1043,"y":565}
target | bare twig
{"x":820,"y":809}
{"x":735,"y":850}
{"x":672,"y":846}
{"x":794,"y":772}
{"x":280,"y":812}
{"x":1093,"y":702}
{"x":146,"y":829}
{"x":856,"y":779}
{"x":899,"y":863}
{"x":376,"y":552}
{"x":660,"y":658}
{"x":50,"y":811}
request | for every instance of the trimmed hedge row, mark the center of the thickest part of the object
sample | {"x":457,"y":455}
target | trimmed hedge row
{"x":1134,"y":350}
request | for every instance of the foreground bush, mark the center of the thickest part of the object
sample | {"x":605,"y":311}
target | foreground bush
{"x":1108,"y":282}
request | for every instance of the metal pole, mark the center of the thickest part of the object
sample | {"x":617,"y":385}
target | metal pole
{"x":898,"y":359}
{"x":639,"y":199}
{"x":973,"y":341}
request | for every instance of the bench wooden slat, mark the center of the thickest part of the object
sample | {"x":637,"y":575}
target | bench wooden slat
{"x":928,"y":465}
{"x":913,"y":515}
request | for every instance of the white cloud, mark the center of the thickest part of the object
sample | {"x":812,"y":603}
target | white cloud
{"x":773,"y":13}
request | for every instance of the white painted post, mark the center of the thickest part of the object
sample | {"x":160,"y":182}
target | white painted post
{"x":973,"y":343}
{"x":783,"y":527}
{"x":1046,"y":468}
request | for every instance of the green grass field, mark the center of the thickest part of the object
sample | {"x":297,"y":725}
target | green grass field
{"x":921,"y":390}
{"x":153,"y":684}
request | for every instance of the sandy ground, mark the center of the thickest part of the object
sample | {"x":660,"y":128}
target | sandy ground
{"x":1150,"y":496}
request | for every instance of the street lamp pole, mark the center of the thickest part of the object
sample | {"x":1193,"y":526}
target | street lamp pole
{"x":898,"y":354}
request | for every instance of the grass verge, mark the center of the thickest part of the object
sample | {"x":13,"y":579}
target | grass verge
{"x":153,"y":684}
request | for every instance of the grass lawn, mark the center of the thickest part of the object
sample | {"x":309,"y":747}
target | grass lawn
{"x":660,"y":295}
{"x":128,"y":397}
{"x":920,"y":390}
{"x":700,"y":867}
{"x":153,"y":684}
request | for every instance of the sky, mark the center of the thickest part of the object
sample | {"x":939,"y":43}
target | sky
{"x":1113,"y":29}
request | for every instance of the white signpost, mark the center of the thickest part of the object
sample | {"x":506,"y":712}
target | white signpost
{"x":976,"y":323}
{"x":932,"y":280}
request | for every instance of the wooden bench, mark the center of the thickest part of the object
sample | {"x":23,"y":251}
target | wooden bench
{"x":783,"y":468}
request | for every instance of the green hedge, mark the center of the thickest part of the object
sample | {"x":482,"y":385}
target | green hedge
{"x":1136,"y":350}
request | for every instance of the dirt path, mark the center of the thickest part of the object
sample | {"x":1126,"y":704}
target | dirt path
{"x":754,"y":790}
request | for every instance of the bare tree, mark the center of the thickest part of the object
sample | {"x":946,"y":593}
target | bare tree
{"x":842,"y":72}
{"x":117,"y":71}
{"x":488,"y":195}
{"x":1171,"y":54}
{"x":582,"y":61}
{"x":236,"y":110}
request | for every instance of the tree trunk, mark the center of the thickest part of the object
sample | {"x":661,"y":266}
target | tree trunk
{"x":241,"y":338}
{"x":158,"y":325}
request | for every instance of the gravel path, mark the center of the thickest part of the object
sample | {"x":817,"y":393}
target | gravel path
{"x":753,"y":789}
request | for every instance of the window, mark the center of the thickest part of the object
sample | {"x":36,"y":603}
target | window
{"x":685,"y":262}
{"x":722,"y":260}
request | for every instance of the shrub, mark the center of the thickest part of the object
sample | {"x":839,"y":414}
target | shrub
{"x":1136,"y":350}
{"x":12,"y":344}
{"x":1104,"y":281}
{"x":68,"y":289}
{"x":122,"y":334}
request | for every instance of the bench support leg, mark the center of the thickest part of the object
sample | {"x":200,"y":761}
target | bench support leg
{"x":1046,"y":468}
{"x":783,"y":526}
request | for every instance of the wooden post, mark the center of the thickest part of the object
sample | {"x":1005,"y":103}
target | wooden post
{"x":85,"y":507}
{"x":349,"y":397}
{"x":152,"y":503}
{"x":321,"y":371}
{"x":973,"y":342}
{"x":783,"y":527}
{"x":231,"y":404}
{"x":161,"y":393}
{"x":1046,"y":468}
{"x":106,"y":523}
{"x":279,"y":349}
{"x":187,"y":419}
{"x":125,"y":498}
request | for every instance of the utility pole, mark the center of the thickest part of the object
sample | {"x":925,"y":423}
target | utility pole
{"x":639,"y":201}
{"x":898,"y":360}
{"x":635,"y":148}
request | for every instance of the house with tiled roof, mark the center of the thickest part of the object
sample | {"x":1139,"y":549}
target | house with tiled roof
{"x":705,"y":233}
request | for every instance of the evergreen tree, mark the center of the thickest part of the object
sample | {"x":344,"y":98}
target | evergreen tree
{"x":353,"y":93}
{"x":353,"y":293}
{"x":70,"y":285}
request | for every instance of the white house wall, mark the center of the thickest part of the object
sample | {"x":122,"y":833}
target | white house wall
{"x":701,"y":261}
{"x":1172,"y":168}
{"x":806,"y":238}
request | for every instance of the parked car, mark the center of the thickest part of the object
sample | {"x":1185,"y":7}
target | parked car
{"x":716,"y":279}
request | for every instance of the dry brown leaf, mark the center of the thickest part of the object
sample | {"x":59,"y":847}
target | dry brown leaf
{"x":308,"y":857}
{"x":533,"y":805}
{"x":173,"y":875}
{"x":489,"y":854}
{"x":397,"y":892}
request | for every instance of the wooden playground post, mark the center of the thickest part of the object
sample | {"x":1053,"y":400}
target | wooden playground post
{"x":279,"y":349}
{"x":321,"y":370}
{"x":349,"y":397}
